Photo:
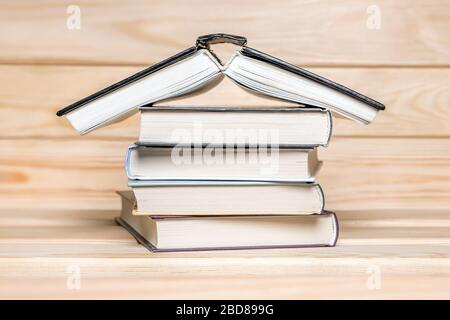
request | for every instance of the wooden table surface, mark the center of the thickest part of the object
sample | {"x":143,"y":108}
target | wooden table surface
{"x":40,"y":251}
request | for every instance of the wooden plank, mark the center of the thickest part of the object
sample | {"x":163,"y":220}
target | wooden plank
{"x":71,"y":232}
{"x":166,"y":285}
{"x":115,"y":261}
{"x":386,"y":173}
{"x":41,"y":247}
{"x":61,"y":199}
{"x":417,"y":100}
{"x":362,"y":173}
{"x":141,"y":32}
{"x":92,"y":234}
{"x":62,"y":173}
{"x":31,"y":96}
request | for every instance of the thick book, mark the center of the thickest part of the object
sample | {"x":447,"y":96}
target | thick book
{"x":233,"y":126}
{"x":190,"y":233}
{"x":197,"y":67}
{"x":218,"y":163}
{"x":184,"y":197}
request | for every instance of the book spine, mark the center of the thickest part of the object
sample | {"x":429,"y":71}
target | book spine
{"x":128,"y":168}
{"x":330,"y":128}
{"x":335,"y":228}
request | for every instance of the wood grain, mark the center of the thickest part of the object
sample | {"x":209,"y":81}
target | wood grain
{"x":302,"y":32}
{"x":389,"y":182}
{"x":61,"y":173}
{"x":37,"y":247}
{"x":192,"y":286}
{"x":386,"y":173}
{"x":367,"y":173}
{"x":417,"y":100}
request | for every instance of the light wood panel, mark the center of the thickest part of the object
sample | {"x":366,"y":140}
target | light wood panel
{"x":417,"y":100}
{"x":37,"y":247}
{"x":386,"y":173}
{"x":191,"y":286}
{"x":61,"y":173}
{"x":303,"y":32}
{"x":366,"y":173}
{"x":52,"y":181}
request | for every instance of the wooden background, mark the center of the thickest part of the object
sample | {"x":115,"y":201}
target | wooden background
{"x":398,"y":164}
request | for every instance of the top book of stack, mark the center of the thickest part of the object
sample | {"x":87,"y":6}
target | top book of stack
{"x":195,"y":68}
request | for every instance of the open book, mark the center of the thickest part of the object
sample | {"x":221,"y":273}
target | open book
{"x":195,"y":68}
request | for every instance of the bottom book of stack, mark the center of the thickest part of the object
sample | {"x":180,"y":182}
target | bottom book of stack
{"x":190,"y":233}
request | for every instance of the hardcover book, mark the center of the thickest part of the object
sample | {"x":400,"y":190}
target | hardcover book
{"x":200,"y":126}
{"x":217,"y":163}
{"x":227,"y":197}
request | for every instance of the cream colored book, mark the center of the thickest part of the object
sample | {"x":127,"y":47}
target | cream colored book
{"x":188,"y":233}
{"x":165,"y":198}
{"x":171,"y":163}
{"x":274,"y":127}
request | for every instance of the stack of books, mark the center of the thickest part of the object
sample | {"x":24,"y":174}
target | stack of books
{"x":206,"y":178}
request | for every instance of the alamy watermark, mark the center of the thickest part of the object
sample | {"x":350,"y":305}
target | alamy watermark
{"x":73,"y":281}
{"x":227,"y":147}
{"x":73,"y":21}
{"x":374,"y":279}
{"x":373,"y":21}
